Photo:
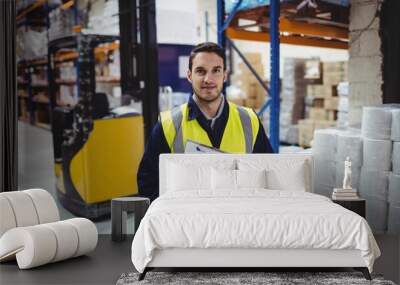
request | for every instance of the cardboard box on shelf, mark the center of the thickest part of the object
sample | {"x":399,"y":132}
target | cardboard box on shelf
{"x":324,"y":124}
{"x":307,"y":128}
{"x":298,"y":110}
{"x":253,"y":57}
{"x":331,"y":103}
{"x":335,"y":66}
{"x":334,"y":72}
{"x":237,"y":101}
{"x":306,"y":132}
{"x":313,"y":71}
{"x":23,"y":108}
{"x":317,"y":114}
{"x":255,"y":99}
{"x":318,"y":102}
{"x":332,"y":115}
{"x":334,"y":78}
{"x":245,"y":71}
{"x":321,"y":91}
{"x":253,"y":103}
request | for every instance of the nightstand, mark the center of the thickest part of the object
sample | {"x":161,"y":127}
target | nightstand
{"x":356,"y":205}
{"x":119,"y":209}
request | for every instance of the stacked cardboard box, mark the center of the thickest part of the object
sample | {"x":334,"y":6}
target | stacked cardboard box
{"x":253,"y":93}
{"x":343,"y":105}
{"x":322,"y":101}
{"x":313,"y":71}
{"x":307,"y":128}
{"x":334,"y":72}
{"x":293,"y":92}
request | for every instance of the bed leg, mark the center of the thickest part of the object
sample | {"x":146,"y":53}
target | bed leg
{"x":143,"y":274}
{"x":364,"y":271}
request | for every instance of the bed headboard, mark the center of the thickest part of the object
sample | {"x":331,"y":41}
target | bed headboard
{"x":212,"y":159}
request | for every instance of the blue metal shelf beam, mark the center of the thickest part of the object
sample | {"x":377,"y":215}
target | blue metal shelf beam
{"x":274,"y":81}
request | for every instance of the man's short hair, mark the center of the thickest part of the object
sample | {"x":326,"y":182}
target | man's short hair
{"x":207,"y":47}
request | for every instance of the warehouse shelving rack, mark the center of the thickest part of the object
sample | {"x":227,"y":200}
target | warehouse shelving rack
{"x":27,"y":68}
{"x":292,"y":22}
{"x":32,"y":16}
{"x":82,"y":49}
{"x":36,"y":14}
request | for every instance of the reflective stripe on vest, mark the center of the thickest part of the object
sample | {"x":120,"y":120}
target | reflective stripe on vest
{"x":239,"y":134}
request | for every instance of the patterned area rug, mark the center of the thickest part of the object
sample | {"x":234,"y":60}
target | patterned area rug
{"x":270,"y":278}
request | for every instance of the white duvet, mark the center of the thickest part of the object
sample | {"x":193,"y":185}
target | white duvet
{"x":253,"y":218}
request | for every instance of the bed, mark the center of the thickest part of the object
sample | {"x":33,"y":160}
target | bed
{"x":257,"y":210}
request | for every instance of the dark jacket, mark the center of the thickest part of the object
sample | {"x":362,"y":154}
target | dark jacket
{"x":147,"y":176}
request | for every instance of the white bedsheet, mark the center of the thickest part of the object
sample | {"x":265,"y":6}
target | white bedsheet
{"x":251,"y":218}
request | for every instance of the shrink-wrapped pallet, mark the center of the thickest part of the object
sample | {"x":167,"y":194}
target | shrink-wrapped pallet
{"x":377,"y":214}
{"x":394,"y":188}
{"x":377,"y":154}
{"x":376,"y":122}
{"x":324,"y":177}
{"x":374,"y":183}
{"x":394,"y":218}
{"x":325,"y":143}
{"x":395,"y":130}
{"x":349,"y":144}
{"x":396,"y":158}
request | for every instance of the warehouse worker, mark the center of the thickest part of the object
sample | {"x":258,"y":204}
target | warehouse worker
{"x":207,"y":118}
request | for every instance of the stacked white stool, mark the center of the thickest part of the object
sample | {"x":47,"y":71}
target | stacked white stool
{"x":31,"y":231}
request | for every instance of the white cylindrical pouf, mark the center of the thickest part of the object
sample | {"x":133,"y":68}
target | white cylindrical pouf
{"x":34,"y":245}
{"x":67,"y":240}
{"x":324,"y":145}
{"x":87,"y":234}
{"x":40,"y":244}
{"x":7,"y":218}
{"x":374,"y":183}
{"x":377,"y":154}
{"x":396,"y":158}
{"x":395,"y":132}
{"x":45,"y":205}
{"x":376,"y":123}
{"x":394,"y":188}
{"x":349,"y":145}
{"x":23,"y":208}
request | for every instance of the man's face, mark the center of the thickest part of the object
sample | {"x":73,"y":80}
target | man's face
{"x":207,"y":76}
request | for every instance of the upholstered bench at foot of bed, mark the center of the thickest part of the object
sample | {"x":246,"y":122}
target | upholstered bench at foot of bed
{"x":45,"y":243}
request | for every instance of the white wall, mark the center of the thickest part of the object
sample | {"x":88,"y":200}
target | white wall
{"x":177,"y":21}
{"x":207,"y":30}
{"x":365,"y":74}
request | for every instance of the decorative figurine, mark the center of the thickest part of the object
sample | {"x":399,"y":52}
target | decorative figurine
{"x":347,"y":174}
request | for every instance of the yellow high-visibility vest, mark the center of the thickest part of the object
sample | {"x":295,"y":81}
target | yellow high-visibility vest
{"x":239,"y":135}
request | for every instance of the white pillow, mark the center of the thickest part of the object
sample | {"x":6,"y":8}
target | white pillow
{"x":183,"y":177}
{"x":223,"y":179}
{"x":282,"y":174}
{"x":251,"y":178}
